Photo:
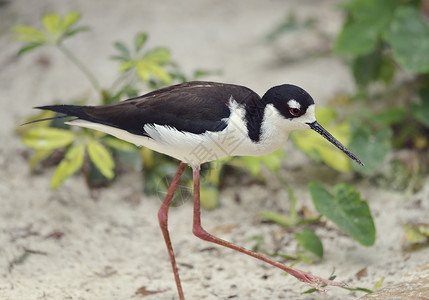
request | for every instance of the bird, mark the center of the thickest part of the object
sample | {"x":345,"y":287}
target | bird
{"x":200,"y":121}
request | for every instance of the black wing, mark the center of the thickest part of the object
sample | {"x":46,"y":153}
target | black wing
{"x":194,"y":107}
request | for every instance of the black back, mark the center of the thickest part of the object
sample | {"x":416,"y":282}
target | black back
{"x":194,"y":107}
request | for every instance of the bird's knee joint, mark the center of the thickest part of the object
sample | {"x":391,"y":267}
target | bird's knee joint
{"x":201,"y":233}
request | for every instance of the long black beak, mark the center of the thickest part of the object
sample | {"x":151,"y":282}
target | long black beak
{"x":322,"y":131}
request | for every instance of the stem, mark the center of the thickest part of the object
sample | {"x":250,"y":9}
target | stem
{"x":80,"y":66}
{"x":293,"y":213}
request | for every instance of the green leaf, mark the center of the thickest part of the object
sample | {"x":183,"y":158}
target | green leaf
{"x":386,"y":69}
{"x":52,"y":23}
{"x":126,"y":65}
{"x":368,"y":19}
{"x":371,"y":147}
{"x":388,"y":116}
{"x":378,"y":284}
{"x":359,"y":289}
{"x":28,"y":30}
{"x":356,"y":39}
{"x":252,"y":164}
{"x":310,"y":291}
{"x":364,"y":68}
{"x":101,"y":158}
{"x":145,"y":68}
{"x":142,"y":71}
{"x":68,"y":20}
{"x":29,"y":47}
{"x":310,"y":242}
{"x":209,"y":196}
{"x":375,"y":66}
{"x":43,"y":138}
{"x":29,"y":34}
{"x":277,"y":218}
{"x":123,"y":49}
{"x":416,"y":233}
{"x":140,"y":40}
{"x":273,"y":160}
{"x":409,"y":38}
{"x":71,"y":162}
{"x":56,"y":27}
{"x":38,"y":156}
{"x":346,"y":209}
{"x":159,"y":72}
{"x":378,"y":12}
{"x":159,"y":56}
{"x":71,"y":32}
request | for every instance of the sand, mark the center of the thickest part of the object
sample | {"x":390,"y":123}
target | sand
{"x":66,"y":245}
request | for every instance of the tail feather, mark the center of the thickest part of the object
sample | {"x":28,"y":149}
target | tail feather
{"x":45,"y":119}
{"x":68,"y":110}
{"x":121,"y":115}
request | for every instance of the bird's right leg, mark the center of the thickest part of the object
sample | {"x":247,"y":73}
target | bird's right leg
{"x":163,"y":223}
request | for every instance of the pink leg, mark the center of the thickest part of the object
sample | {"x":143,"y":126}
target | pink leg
{"x":163,"y":223}
{"x":200,"y":232}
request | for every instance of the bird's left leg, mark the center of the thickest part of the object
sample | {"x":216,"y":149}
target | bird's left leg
{"x":200,"y":232}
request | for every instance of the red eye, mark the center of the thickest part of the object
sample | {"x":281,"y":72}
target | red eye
{"x":295,"y":111}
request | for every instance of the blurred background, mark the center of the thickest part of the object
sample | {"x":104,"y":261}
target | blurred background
{"x":66,"y":191}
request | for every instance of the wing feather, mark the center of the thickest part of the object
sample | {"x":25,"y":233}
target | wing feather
{"x":194,"y":107}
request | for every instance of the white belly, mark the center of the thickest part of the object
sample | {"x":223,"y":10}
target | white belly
{"x":193,"y":149}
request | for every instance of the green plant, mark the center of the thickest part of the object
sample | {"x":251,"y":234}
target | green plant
{"x":153,"y":68}
{"x":416,"y":236}
{"x":50,"y":136}
{"x":344,"y":207}
{"x":380,"y":39}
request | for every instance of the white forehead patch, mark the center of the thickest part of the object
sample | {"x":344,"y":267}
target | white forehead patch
{"x":292,"y":103}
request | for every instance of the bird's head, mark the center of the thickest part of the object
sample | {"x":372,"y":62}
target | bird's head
{"x":296,"y":110}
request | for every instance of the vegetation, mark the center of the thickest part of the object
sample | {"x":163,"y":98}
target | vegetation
{"x":386,"y":45}
{"x":96,"y":155}
{"x":138,"y":67}
{"x":387,"y":42}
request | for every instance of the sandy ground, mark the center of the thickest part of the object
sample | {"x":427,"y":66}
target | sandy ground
{"x":112,"y":247}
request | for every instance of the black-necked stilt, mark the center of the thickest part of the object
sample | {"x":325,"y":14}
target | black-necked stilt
{"x":197,"y":122}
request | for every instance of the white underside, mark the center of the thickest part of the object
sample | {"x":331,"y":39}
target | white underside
{"x":196,"y":149}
